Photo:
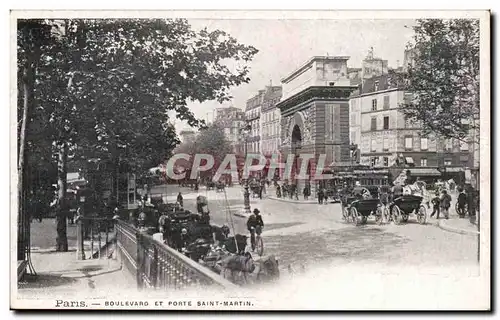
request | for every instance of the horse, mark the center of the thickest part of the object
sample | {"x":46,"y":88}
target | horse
{"x":243,"y":269}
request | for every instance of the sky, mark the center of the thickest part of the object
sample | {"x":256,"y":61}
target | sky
{"x":285,"y":44}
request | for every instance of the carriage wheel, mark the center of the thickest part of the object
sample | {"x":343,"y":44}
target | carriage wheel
{"x":379,"y":218}
{"x":355,"y":216}
{"x":345,"y":213}
{"x":396,"y":215}
{"x":421,"y":215}
{"x":259,"y":246}
{"x":387,"y":214}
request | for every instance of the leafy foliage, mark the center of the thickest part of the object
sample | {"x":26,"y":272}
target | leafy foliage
{"x":106,"y":85}
{"x":444,"y":77}
{"x":210,"y":140}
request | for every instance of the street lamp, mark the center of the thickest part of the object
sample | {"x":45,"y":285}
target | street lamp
{"x":246,"y":195}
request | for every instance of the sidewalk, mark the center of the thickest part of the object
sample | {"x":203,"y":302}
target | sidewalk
{"x":61,"y":275}
{"x":457,"y":225}
{"x":310,"y":201}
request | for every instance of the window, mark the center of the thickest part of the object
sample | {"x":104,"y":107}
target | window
{"x":408,"y":142}
{"x":373,"y":145}
{"x":424,"y":144}
{"x":374,"y":124}
{"x":376,"y":86}
{"x":386,"y":123}
{"x":386,"y":102}
{"x":407,"y":123}
{"x":373,"y":161}
{"x":386,"y":144}
{"x":448,"y":144}
{"x":374,"y":105}
{"x":386,"y":161}
{"x":353,"y":136}
{"x":447,"y":162}
{"x":423,"y":162}
{"x":464,"y":146}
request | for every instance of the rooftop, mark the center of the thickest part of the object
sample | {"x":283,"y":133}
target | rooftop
{"x":308,"y":64}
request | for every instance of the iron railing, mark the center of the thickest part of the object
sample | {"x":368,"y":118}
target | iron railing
{"x":95,"y":236}
{"x":157,"y":266}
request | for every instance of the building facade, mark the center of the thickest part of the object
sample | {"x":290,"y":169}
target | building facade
{"x":373,"y":67}
{"x":252,"y":116}
{"x":270,"y":121}
{"x":387,"y":139}
{"x":232,"y":120}
{"x":187,"y":136}
{"x":315,"y":112}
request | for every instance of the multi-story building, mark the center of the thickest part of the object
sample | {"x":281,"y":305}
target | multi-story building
{"x":373,"y":67}
{"x":315,"y":111}
{"x":252,"y":116}
{"x":387,"y":139}
{"x":270,"y":120}
{"x":231,"y":120}
{"x":187,"y":136}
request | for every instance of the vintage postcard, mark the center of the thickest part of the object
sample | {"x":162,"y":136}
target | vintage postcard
{"x":250,"y":160}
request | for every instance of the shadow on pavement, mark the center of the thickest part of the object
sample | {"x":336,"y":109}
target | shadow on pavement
{"x":45,"y":281}
{"x":274,"y":226}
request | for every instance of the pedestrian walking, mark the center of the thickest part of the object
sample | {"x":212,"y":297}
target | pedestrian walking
{"x":321,"y":194}
{"x":278,"y":191}
{"x":180,"y":200}
{"x":445,"y":203}
{"x":306,"y":192}
{"x":325,"y":197}
{"x":436,"y":203}
{"x":462,"y":202}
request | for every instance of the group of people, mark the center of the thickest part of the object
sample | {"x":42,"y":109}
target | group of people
{"x":288,"y":190}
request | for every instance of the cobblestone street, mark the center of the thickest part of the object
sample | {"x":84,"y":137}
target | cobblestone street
{"x":308,"y":234}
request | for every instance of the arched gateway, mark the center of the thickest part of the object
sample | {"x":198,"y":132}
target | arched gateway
{"x":316,"y":121}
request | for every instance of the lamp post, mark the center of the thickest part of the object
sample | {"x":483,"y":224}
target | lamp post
{"x":246,"y":194}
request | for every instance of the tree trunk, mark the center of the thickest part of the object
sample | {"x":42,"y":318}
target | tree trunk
{"x":62,"y":212}
{"x":23,"y":223}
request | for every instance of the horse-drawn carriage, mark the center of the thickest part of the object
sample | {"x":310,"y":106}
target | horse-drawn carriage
{"x":210,"y":185}
{"x":360,"y":204}
{"x":220,"y":186}
{"x":255,"y":189}
{"x":403,"y":206}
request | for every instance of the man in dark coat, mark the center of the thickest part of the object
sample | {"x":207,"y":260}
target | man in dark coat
{"x":321,"y":195}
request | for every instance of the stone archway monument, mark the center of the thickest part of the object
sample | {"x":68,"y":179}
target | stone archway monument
{"x":316,"y":121}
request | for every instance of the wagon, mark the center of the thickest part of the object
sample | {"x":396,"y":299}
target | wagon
{"x":219,"y":187}
{"x":360,"y":210}
{"x":345,"y":203}
{"x":402,"y":207}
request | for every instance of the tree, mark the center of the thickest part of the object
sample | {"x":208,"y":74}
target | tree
{"x":210,"y":140}
{"x":444,"y":77}
{"x":105,"y":87}
{"x":34,"y":154}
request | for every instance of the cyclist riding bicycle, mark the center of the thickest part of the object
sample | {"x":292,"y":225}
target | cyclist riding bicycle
{"x":255,"y":225}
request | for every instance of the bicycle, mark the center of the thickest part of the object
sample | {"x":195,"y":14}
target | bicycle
{"x":258,"y":244}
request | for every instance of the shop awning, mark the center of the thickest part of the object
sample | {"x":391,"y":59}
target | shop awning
{"x":455,"y":169}
{"x":409,"y":160}
{"x":426,"y":172}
